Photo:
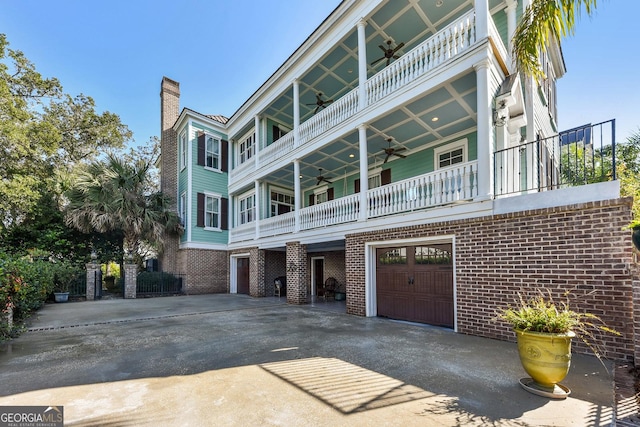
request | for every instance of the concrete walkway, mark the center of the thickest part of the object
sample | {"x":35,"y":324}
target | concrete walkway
{"x":232,"y":360}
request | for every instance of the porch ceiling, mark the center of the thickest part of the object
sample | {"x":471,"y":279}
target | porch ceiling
{"x":410,"y":126}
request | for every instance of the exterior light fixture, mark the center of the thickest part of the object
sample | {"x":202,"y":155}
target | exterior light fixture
{"x":351,"y":156}
{"x":439,"y":3}
{"x":435,"y":119}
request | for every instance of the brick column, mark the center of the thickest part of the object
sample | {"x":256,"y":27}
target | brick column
{"x":296,"y":273}
{"x":130,"y":273}
{"x":256,"y":273}
{"x":93,"y":274}
{"x":635,"y":284}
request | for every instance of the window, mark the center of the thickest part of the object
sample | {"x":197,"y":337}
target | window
{"x":277,"y":133}
{"x":247,"y":209}
{"x":450,"y":154}
{"x":246,"y":148}
{"x":211,"y":211}
{"x":320,"y":195}
{"x":183,"y":209}
{"x":393,"y":256}
{"x":212,"y":152}
{"x":183,"y":150}
{"x":281,"y":202}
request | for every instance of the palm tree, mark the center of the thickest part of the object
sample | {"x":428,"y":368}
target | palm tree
{"x":116,"y":195}
{"x":543,"y":21}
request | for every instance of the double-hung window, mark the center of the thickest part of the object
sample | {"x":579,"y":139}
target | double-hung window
{"x":211,"y":211}
{"x":212,"y":152}
{"x":246,"y":149}
{"x":247,"y":209}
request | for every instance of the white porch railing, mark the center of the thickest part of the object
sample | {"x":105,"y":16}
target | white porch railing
{"x":331,"y":116}
{"x":277,"y":149}
{"x":442,"y":46}
{"x":242,"y":232}
{"x":243,"y":169}
{"x":436,"y":188}
{"x":497,"y":42}
{"x":280,"y":224}
{"x":339,"y":211}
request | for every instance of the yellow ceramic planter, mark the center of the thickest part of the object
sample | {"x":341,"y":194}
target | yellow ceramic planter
{"x":546,"y":357}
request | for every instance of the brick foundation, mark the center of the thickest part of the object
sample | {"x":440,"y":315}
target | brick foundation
{"x":580,"y":248}
{"x":205,"y":271}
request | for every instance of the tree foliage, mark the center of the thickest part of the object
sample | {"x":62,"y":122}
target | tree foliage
{"x":44,"y":134}
{"x":117,"y":194}
{"x":544,"y":21}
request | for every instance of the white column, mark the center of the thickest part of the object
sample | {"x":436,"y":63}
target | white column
{"x":256,"y":149}
{"x":484,"y":142}
{"x":364,"y":171}
{"x":296,"y":113}
{"x":256,"y":185}
{"x":482,"y":19}
{"x":362,"y":64}
{"x":511,"y":26}
{"x":297,"y":193}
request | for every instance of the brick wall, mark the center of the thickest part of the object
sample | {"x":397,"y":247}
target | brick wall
{"x":169,"y":111}
{"x":275,"y":266}
{"x":256,"y":273}
{"x":297,"y":274}
{"x":205,"y":271}
{"x":579,"y":248}
{"x":334,"y":266}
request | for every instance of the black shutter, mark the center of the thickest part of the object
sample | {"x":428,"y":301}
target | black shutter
{"x":200,"y":210}
{"x":224,"y":154}
{"x":356,"y":186}
{"x":385,"y":177}
{"x":201,"y":149}
{"x":312,"y":199}
{"x":329,"y":193}
{"x":224,"y":213}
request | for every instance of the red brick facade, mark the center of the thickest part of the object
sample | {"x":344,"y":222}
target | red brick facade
{"x":580,"y":248}
{"x":296,"y":273}
{"x":205,"y":271}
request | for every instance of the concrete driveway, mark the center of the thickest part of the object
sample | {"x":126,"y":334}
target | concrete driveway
{"x":232,"y":360}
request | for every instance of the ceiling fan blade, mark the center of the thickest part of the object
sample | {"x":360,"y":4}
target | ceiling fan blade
{"x":402,"y":156}
{"x":328,"y":101}
{"x":386,"y":158}
{"x":396,"y":57}
{"x":399,"y":149}
{"x":397,"y":48}
{"x":377,"y":60}
{"x":382,"y":48}
{"x":312,"y":104}
{"x":327,"y":181}
{"x":316,"y":110}
{"x":388,"y":61}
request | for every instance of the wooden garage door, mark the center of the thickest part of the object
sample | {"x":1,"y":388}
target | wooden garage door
{"x":242,"y":269}
{"x":415,"y":283}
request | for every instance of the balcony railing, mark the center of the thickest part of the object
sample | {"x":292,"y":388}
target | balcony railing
{"x":579,"y":156}
{"x":443,"y":46}
{"x":453,"y":184}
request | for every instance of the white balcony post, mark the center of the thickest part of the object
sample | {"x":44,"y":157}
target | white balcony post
{"x":482,"y":19}
{"x":485,"y":122}
{"x":256,"y":206}
{"x":297,"y":194}
{"x":364,"y":171}
{"x":256,"y":142}
{"x":362,"y":65}
{"x":296,"y":113}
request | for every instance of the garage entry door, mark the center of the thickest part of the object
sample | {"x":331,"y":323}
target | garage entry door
{"x":415,"y":283}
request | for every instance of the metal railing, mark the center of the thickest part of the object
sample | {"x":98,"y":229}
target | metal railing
{"x":158,"y":284}
{"x":579,"y":156}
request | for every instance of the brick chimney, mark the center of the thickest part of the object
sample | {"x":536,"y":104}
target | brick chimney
{"x":169,"y":111}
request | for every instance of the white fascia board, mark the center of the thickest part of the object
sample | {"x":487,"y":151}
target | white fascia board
{"x":206,"y":246}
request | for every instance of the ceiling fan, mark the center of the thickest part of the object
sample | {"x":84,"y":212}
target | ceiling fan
{"x":320,"y":103}
{"x":392,"y":151}
{"x":389,"y":52}
{"x":320,"y":178}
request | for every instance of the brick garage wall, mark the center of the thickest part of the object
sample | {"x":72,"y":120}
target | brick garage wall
{"x":205,"y":271}
{"x":275,"y":266}
{"x":580,"y":248}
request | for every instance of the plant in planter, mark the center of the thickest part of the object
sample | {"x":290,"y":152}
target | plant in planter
{"x":544,"y":331}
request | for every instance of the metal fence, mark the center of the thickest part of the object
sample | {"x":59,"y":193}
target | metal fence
{"x":158,"y":284}
{"x":580,"y":156}
{"x":78,"y":287}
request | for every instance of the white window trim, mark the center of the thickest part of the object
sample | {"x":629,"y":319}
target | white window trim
{"x":462,"y":143}
{"x":219,"y":169}
{"x":284,"y":191}
{"x":239,"y":213}
{"x":242,"y":139}
{"x":183,"y":142}
{"x":183,"y":208}
{"x":213,"y":196}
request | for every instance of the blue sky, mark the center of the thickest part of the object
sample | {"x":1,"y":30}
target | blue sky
{"x":221,"y":51}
